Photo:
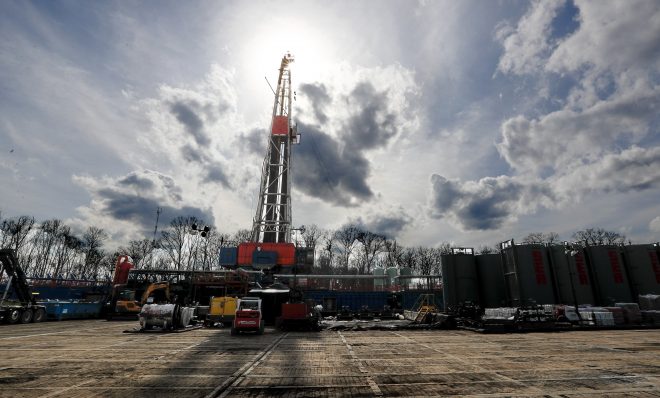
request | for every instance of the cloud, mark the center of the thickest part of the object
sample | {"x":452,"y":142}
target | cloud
{"x":654,"y":225}
{"x":372,"y":124}
{"x":492,"y":202}
{"x":613,"y":36}
{"x":633,"y":169}
{"x":318,"y":95}
{"x":568,"y":137}
{"x":126,"y":205}
{"x":193,"y":123}
{"x":527,"y":46}
{"x":485,"y":204}
{"x":325,"y":170}
{"x":216,"y":173}
{"x":390,"y":223}
{"x":341,"y":124}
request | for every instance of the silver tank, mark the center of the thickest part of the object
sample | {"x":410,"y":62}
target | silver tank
{"x":165,"y":316}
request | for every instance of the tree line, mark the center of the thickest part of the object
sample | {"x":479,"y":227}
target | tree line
{"x":51,"y":249}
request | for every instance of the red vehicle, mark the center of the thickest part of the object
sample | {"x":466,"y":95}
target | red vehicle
{"x":248,"y":316}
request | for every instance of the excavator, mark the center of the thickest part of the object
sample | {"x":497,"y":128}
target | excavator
{"x":123,"y":305}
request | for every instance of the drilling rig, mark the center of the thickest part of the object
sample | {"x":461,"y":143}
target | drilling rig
{"x":270,"y":248}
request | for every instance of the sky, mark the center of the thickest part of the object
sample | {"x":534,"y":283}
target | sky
{"x":471,"y":122}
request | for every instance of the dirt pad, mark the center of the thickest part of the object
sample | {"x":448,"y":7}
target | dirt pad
{"x":94,"y":358}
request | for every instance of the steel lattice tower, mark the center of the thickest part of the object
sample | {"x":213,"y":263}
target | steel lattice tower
{"x":272,"y":221}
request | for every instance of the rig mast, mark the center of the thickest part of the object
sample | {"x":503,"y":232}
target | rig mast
{"x":272,"y":221}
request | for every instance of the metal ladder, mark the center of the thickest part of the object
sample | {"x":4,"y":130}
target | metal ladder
{"x":424,"y":305}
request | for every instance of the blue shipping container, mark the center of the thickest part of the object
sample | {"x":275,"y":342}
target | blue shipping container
{"x":228,"y":256}
{"x":58,"y":310}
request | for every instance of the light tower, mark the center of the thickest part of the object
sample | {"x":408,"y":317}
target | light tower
{"x":272,"y":221}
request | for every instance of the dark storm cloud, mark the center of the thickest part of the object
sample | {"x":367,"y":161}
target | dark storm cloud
{"x":326,"y":171}
{"x":320,"y":99}
{"x":191,"y":121}
{"x":137,"y":181}
{"x":388,"y":225}
{"x":371,"y":125}
{"x":141,"y":210}
{"x":337,"y":173}
{"x":485,"y":204}
{"x":215,"y":173}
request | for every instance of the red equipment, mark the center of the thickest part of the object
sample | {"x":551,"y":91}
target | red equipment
{"x":248,"y":316}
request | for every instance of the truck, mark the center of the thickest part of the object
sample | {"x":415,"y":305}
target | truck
{"x":248,"y":316}
{"x":22,"y":307}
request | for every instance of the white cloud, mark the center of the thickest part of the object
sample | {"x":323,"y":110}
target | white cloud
{"x":613,"y":36}
{"x":654,"y":225}
{"x":528,"y":45}
{"x":567,"y":138}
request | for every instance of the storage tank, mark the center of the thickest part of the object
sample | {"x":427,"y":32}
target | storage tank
{"x":611,"y":284}
{"x":379,"y":282}
{"x":643,"y":268}
{"x":571,"y":275}
{"x":405,"y":272}
{"x":392,"y":273}
{"x":528,"y":277}
{"x":459,"y":279}
{"x":491,"y":280}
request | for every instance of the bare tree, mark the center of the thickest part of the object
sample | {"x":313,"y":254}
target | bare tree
{"x":487,"y":249}
{"x":425,"y":260}
{"x":534,"y":238}
{"x":92,"y":243}
{"x":346,"y":238}
{"x":173,"y":240}
{"x":372,"y":245}
{"x":394,"y":253}
{"x":139,"y":251}
{"x":409,"y":258}
{"x":311,"y":236}
{"x":15,"y":232}
{"x":599,"y":236}
{"x":327,"y":251}
{"x":242,"y":235}
{"x":540,"y":238}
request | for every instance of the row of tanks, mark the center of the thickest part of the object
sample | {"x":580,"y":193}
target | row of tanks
{"x":534,"y":274}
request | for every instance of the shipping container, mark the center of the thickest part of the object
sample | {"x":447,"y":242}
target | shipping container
{"x":460,"y":283}
{"x":228,"y":256}
{"x":574,"y":285}
{"x":59,"y":310}
{"x":286,"y":252}
{"x":611,"y":282}
{"x":491,"y":280}
{"x":643,"y":269}
{"x":527,"y":274}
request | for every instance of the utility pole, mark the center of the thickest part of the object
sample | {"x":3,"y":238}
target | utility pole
{"x":153,"y":242}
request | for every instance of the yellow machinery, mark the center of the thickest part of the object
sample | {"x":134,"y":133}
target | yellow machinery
{"x":126,"y":305}
{"x":221,"y":310}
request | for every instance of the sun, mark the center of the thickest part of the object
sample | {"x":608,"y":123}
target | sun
{"x":264,"y":49}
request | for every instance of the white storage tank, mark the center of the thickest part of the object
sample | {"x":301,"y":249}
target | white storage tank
{"x":379,"y":282}
{"x":392,"y":273}
{"x":405,"y":272}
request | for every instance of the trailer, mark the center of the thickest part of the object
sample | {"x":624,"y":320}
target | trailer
{"x":21,"y":306}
